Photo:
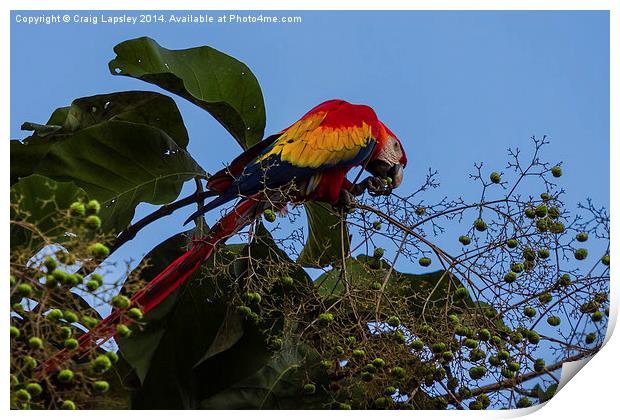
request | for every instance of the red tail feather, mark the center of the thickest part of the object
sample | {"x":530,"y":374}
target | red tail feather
{"x":164,"y":283}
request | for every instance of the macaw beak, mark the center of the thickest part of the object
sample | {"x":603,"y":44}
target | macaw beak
{"x":384,"y":169}
{"x":396,"y":173}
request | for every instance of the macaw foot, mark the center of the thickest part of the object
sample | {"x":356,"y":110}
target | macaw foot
{"x":373,"y":184}
{"x":346,"y":200}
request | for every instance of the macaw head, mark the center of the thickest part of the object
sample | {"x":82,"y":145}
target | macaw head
{"x":388,"y":158}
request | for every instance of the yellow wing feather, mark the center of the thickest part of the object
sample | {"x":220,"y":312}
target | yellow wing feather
{"x":307,"y":144}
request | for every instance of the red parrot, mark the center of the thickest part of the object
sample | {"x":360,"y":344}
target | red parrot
{"x":313,"y":156}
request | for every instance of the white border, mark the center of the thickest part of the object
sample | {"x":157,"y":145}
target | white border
{"x":593,"y":394}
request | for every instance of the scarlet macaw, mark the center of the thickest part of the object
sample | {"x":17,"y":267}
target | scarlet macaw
{"x":313,"y":155}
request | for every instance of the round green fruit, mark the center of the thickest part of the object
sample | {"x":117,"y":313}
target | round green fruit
{"x":554,"y":321}
{"x":35,"y":343}
{"x":65,"y":375}
{"x":477,"y":372}
{"x":494,"y":361}
{"x":464,"y":239}
{"x":378,"y":362}
{"x":553,"y":212}
{"x":480,"y":225}
{"x":512,"y":243}
{"x":495,"y":177}
{"x":71,"y":344}
{"x":510,"y":277}
{"x":326,"y":318}
{"x":484,"y":334}
{"x":420,"y":211}
{"x":557,"y":227}
{"x":93,"y":207}
{"x":34,"y":389}
{"x":530,"y":213}
{"x":541,"y":210}
{"x":77,"y":209}
{"x":50,"y":264}
{"x":545,"y":298}
{"x":581,"y":254}
{"x":424,"y":261}
{"x":477,"y":354}
{"x":70,"y":316}
{"x":121,"y":302}
{"x":358,"y":353}
{"x":378,"y":253}
{"x":539,"y":365}
{"x":582,"y":236}
{"x":398,"y":371}
{"x":529,"y":254}
{"x":439,"y":347}
{"x":309,"y":389}
{"x":524,"y":402}
{"x":101,"y":386}
{"x":92,"y":285}
{"x":543,"y":253}
{"x":98,"y":250}
{"x":542,"y":225}
{"x":68,"y":405}
{"x":597,"y":316}
{"x":605,"y":259}
{"x":93,"y":222}
{"x":393,"y":321}
{"x":135,"y":314}
{"x":123,"y":330}
{"x":269,"y":215}
{"x":590,"y":338}
{"x":112,"y":356}
{"x":101,"y":363}
{"x":417,"y":345}
{"x":470,"y":343}
{"x":287,"y":280}
{"x":376,"y":225}
{"x":556,"y":171}
{"x":23,"y":395}
{"x":533,"y":337}
{"x":15,"y":333}
{"x":98,"y":278}
{"x":24,"y":290}
{"x":529,"y":312}
{"x":461,"y":293}
{"x":66,"y":332}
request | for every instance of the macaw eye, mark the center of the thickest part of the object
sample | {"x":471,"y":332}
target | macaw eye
{"x":396,"y":145}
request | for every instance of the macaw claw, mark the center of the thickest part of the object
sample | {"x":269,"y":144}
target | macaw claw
{"x":374,"y":185}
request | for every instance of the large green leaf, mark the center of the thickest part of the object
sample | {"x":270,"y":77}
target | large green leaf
{"x":328,"y":238}
{"x":277,"y":385}
{"x":422,"y":292}
{"x":37,"y":202}
{"x":141,"y":107}
{"x":214,"y":81}
{"x":119,"y":163}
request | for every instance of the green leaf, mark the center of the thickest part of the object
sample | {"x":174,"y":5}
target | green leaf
{"x":423,"y":292}
{"x":328,"y":238}
{"x":119,"y":163}
{"x":141,"y":107}
{"x":216,"y":82}
{"x":36,"y":205}
{"x":229,"y":333}
{"x":277,"y":385}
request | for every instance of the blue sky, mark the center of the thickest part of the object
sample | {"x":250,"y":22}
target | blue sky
{"x":456,"y":87}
